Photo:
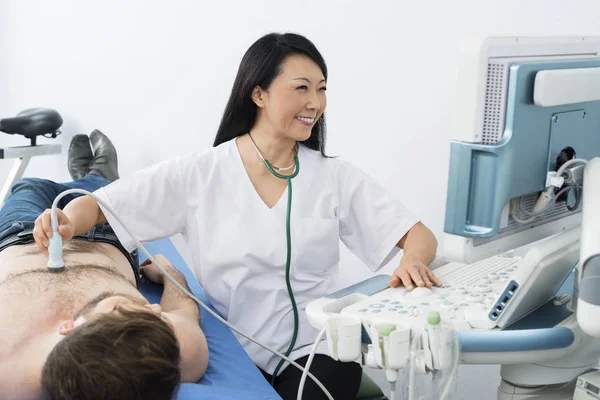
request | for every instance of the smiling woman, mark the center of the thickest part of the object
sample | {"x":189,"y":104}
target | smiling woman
{"x":279,"y":73}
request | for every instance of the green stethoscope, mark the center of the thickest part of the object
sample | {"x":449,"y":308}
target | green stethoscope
{"x":289,"y":244}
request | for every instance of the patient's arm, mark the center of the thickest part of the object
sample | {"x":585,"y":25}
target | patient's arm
{"x":183,"y":314}
{"x":173,"y":299}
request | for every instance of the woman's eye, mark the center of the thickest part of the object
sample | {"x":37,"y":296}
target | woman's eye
{"x":323,"y":88}
{"x":303,"y":87}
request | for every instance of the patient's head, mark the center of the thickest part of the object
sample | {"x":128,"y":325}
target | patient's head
{"x":128,"y":354}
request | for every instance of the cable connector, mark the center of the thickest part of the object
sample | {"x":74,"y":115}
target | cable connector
{"x":344,"y":337}
{"x":389,"y":350}
{"x":424,"y":359}
{"x":574,"y":175}
{"x":390,"y":346}
{"x":553,"y":179}
{"x":396,"y":347}
{"x":544,"y":200}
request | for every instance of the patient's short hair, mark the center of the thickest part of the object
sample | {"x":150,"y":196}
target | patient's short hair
{"x":126,"y":355}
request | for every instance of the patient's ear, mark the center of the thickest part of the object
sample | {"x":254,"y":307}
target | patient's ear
{"x":66,"y":327}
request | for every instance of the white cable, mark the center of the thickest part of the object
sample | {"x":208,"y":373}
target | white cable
{"x":523,"y":221}
{"x":534,"y":215}
{"x":547,"y":197}
{"x":392,"y":390}
{"x":414,"y":354}
{"x":309,"y":361}
{"x":54,"y":224}
{"x":453,"y":374}
{"x":560,"y":192}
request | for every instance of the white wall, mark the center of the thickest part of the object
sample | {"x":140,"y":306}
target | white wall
{"x":155,"y":75}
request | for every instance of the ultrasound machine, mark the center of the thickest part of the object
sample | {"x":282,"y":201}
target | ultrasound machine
{"x":521,"y":243}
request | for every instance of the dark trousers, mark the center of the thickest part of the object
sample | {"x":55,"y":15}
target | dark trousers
{"x":342,"y":379}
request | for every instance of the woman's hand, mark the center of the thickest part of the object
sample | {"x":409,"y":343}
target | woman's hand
{"x":42,"y":230}
{"x":413,"y":272}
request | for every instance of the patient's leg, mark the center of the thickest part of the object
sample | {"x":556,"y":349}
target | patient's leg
{"x":31,"y":196}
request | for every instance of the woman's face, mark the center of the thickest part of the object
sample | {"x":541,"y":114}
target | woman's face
{"x":295,"y":100}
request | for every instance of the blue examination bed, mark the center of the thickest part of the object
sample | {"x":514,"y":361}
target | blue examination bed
{"x":231,"y":374}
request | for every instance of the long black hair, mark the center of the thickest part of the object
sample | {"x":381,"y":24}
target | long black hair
{"x":259,"y":67}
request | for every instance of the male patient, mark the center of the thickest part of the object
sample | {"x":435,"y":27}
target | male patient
{"x":87,"y":333}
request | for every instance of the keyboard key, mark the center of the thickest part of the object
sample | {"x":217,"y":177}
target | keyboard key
{"x":377,"y":305}
{"x":475,"y":297}
{"x":483,"y":288}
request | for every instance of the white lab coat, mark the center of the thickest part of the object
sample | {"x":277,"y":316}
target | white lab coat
{"x":238,"y":244}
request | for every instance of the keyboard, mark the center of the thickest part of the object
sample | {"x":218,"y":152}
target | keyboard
{"x":471,"y":294}
{"x":485,"y":272}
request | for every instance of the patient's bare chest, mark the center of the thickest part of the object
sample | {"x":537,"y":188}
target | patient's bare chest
{"x":33,"y":300}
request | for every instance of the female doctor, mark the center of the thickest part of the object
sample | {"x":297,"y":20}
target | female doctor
{"x":233,"y":208}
